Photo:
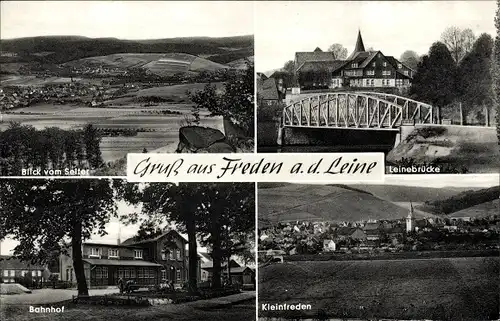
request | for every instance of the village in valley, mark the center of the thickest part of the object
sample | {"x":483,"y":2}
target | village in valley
{"x":125,"y":95}
{"x":369,"y":252}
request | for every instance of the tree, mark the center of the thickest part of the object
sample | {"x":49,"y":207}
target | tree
{"x":459,"y":42}
{"x":434,"y":81}
{"x":43,"y":214}
{"x":92,"y":140}
{"x":289,"y":67}
{"x":496,"y":70}
{"x":474,"y":81}
{"x":410,"y":58}
{"x":338,"y":50}
{"x":235,"y":103}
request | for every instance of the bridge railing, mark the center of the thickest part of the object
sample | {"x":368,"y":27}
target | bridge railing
{"x":356,"y":110}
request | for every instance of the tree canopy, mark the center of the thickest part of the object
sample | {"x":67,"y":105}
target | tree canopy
{"x":338,"y":50}
{"x":458,"y":41}
{"x":410,"y":58}
{"x":43,"y":214}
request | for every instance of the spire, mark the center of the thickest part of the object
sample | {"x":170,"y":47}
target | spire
{"x":359,"y":43}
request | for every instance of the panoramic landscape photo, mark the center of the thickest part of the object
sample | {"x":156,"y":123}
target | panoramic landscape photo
{"x":424,"y":94}
{"x":84,"y":83}
{"x":102,"y":249}
{"x":408,"y":249}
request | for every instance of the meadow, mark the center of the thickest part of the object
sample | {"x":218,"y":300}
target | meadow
{"x":155,"y":129}
{"x":439,"y":289}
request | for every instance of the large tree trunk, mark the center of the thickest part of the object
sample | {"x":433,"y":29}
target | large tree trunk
{"x":193,"y":255}
{"x":76,"y":248}
{"x":217,"y":255}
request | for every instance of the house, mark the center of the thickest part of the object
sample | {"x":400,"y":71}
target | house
{"x":269,"y":92}
{"x":362,"y":69}
{"x":12,"y":269}
{"x":239,"y":274}
{"x":354,"y":233}
{"x":329,"y":246}
{"x":152,"y":261}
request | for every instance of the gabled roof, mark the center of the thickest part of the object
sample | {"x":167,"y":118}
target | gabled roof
{"x":301,"y":57}
{"x":318,"y":49}
{"x":10,"y":262}
{"x":371,"y":226}
{"x":346,"y":230}
{"x":131,"y":241}
{"x":267,"y":89}
{"x":121,"y":262}
{"x":331,"y":66}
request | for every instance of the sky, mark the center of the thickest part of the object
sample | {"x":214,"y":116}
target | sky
{"x":285,"y":27}
{"x":114,"y":228}
{"x":126,"y":19}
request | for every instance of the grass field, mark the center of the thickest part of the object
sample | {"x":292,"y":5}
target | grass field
{"x":327,"y":203}
{"x":443,"y":289}
{"x":160,"y":64}
{"x":165,"y":127}
{"x":18,"y":80}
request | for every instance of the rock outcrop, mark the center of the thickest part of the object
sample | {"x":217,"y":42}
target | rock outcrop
{"x":196,"y":139}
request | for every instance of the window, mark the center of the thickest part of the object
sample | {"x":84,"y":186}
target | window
{"x":5,"y":272}
{"x":12,"y":272}
{"x":373,"y":82}
{"x":370,"y":72}
{"x":94,"y":251}
{"x":138,"y":254}
{"x":152,"y":273}
{"x":400,"y":66}
{"x":163,"y":274}
{"x":385,"y":64}
{"x":33,"y":273}
{"x":24,"y":272}
{"x":113,"y":252}
{"x":104,"y":272}
{"x":178,"y":275}
{"x":178,"y":254}
{"x":126,"y":272}
{"x":354,"y":65}
{"x":132,"y":273}
{"x":163,"y":255}
{"x":386,"y":72}
{"x":39,"y":273}
{"x":374,"y":64}
{"x":406,"y":72}
{"x":140,"y":273}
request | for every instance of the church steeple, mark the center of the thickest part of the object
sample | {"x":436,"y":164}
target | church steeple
{"x":360,"y":46}
{"x":359,"y":43}
{"x":410,"y":219}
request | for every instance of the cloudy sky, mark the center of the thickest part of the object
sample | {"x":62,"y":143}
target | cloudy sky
{"x":285,"y":27}
{"x":126,"y":19}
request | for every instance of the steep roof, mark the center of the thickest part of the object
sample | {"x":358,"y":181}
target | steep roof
{"x":131,"y":240}
{"x":331,"y":66}
{"x":301,"y":57}
{"x":318,"y":49}
{"x":10,"y":262}
{"x":267,"y":89}
{"x":360,"y":47}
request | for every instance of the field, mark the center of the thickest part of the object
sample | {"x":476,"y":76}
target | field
{"x":481,"y":210}
{"x":160,"y":64}
{"x":475,"y":148}
{"x":327,"y":203}
{"x":19,"y":80}
{"x":444,"y":289}
{"x":156,"y":130}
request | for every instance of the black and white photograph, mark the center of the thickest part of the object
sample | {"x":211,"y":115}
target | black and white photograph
{"x":83,"y":83}
{"x":408,"y":249}
{"x":101,"y":249}
{"x":412,"y":79}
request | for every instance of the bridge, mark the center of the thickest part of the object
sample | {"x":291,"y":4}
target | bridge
{"x":357,"y":110}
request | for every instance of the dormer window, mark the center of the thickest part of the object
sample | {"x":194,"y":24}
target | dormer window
{"x":138,"y":254}
{"x":406,"y":72}
{"x":94,"y":252}
{"x":385,"y":64}
{"x":178,"y":254}
{"x":374,"y":64}
{"x":113,"y":253}
{"x":354,"y":65}
{"x":400,"y":66}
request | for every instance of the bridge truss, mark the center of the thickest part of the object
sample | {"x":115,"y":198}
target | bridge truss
{"x":356,"y":110}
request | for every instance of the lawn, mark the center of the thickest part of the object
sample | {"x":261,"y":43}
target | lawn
{"x":179,"y":312}
{"x":446,"y":289}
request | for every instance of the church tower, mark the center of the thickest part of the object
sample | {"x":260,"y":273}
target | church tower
{"x":410,"y":220}
{"x":360,"y":46}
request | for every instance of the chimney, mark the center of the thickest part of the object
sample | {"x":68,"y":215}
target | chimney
{"x":118,"y":241}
